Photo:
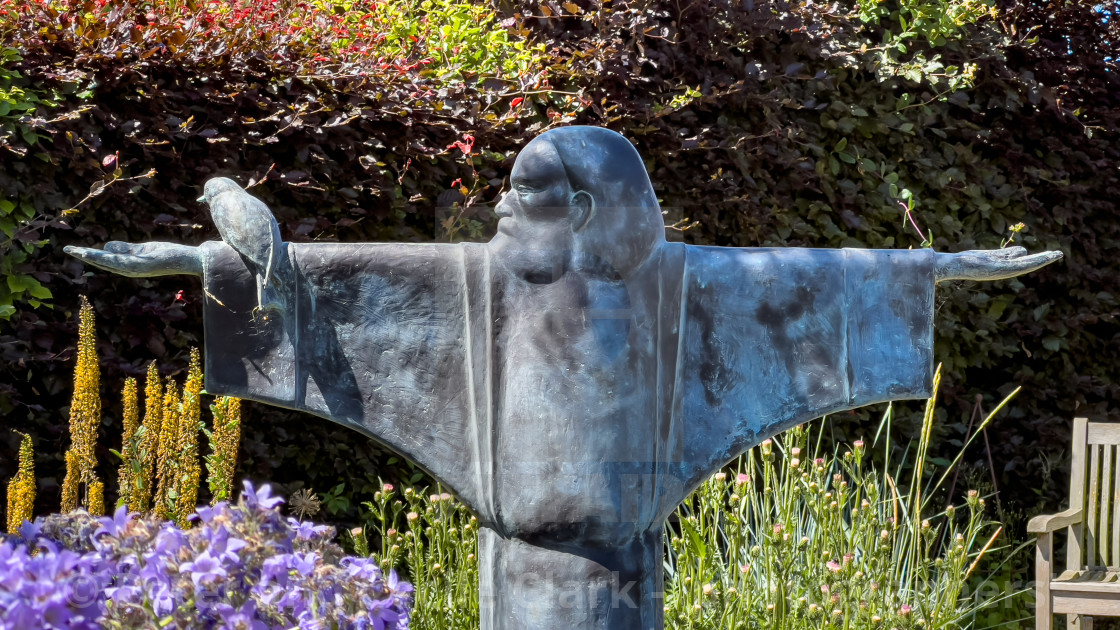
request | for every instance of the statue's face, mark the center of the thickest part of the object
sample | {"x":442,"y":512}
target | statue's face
{"x":539,"y":215}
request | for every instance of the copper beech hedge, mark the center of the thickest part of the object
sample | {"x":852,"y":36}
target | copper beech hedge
{"x":762,"y":123}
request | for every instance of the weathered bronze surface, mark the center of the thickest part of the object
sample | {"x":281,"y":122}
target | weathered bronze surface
{"x":576,"y":377}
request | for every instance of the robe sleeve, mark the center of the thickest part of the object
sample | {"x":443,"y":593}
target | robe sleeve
{"x":372,"y":336}
{"x":771,"y":338}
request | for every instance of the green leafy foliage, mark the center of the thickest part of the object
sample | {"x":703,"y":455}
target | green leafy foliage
{"x":451,"y":40}
{"x":15,"y":101}
{"x":800,"y":538}
{"x":444,"y":40}
{"x":937,"y":21}
{"x":20,"y":226}
{"x":336,"y":501}
{"x":434,"y":540}
{"x":777,"y":125}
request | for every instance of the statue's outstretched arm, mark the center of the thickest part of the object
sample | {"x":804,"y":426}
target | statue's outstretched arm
{"x":996,"y":264}
{"x":142,"y":260}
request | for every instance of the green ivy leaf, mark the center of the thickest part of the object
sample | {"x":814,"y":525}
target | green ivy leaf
{"x":37,"y":290}
{"x":17,"y":283}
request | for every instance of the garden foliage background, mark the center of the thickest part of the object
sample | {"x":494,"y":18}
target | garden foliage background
{"x":763,"y":123}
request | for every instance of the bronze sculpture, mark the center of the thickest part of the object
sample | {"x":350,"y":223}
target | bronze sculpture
{"x":576,"y":377}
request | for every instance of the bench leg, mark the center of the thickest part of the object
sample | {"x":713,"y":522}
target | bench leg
{"x":1042,"y":614}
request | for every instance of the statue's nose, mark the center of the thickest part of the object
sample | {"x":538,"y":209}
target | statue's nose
{"x":504,"y":208}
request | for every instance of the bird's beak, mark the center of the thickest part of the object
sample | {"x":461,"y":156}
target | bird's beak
{"x":201,"y":199}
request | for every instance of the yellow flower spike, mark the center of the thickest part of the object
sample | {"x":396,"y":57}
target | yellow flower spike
{"x":97,"y":499}
{"x":131,"y":415}
{"x":225,"y":442}
{"x":21,"y":489}
{"x":70,"y":483}
{"x":13,"y":497}
{"x":85,"y":411}
{"x":165,"y":451}
{"x":128,"y":474}
{"x":187,"y":442}
{"x":149,"y":441}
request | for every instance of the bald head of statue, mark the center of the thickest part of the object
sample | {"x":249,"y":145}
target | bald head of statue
{"x":579,"y":199}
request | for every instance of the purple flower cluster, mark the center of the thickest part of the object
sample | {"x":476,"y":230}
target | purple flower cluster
{"x":242,"y":567}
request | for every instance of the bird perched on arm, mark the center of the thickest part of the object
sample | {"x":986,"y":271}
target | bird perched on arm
{"x":247,"y":225}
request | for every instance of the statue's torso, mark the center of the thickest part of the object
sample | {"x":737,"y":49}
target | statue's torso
{"x":575,"y":409}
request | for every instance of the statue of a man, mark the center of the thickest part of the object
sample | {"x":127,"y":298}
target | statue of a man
{"x":576,"y":377}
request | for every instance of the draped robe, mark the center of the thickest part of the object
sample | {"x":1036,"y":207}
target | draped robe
{"x":572,"y":417}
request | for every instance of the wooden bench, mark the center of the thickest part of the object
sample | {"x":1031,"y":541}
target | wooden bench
{"x":1090,"y":583}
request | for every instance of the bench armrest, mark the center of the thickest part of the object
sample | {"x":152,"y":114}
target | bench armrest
{"x":1047,"y":523}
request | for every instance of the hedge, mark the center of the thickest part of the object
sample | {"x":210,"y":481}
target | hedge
{"x":762,"y":123}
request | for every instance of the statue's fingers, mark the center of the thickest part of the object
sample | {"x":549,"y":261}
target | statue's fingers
{"x":1011,"y":252}
{"x":119,"y":247}
{"x":141,"y":260}
{"x":76,"y":252}
{"x":117,"y":263}
{"x":1027,"y":264}
{"x":120,"y":261}
{"x":991,"y":265}
{"x":1011,"y":267}
{"x":88,"y":255}
{"x":1006,"y":253}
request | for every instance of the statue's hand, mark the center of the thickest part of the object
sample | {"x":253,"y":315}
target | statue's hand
{"x":142,"y":260}
{"x":995,"y":264}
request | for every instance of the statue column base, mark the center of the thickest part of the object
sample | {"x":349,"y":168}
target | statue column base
{"x":524,"y":586}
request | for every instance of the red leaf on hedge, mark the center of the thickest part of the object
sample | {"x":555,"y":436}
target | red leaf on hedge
{"x":466,"y":145}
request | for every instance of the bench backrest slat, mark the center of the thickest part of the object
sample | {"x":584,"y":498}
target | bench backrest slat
{"x":1077,"y":478}
{"x":1104,"y":507}
{"x":1115,"y":555}
{"x":1093,"y":496}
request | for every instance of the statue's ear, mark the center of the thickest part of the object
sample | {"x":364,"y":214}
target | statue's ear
{"x":582,"y":206}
